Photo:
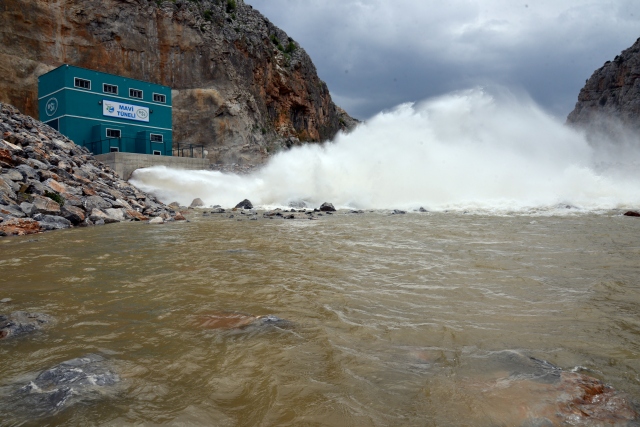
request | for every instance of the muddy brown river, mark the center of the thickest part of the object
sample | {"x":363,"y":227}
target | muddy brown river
{"x":391,"y":320}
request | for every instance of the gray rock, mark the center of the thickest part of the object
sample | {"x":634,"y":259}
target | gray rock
{"x":156,"y":220}
{"x":72,"y":213}
{"x":7,"y":190}
{"x":45,"y":206}
{"x":218,"y":211}
{"x":5,"y":300}
{"x":14,"y":211}
{"x":51,"y":222}
{"x":422,"y":210}
{"x":37,"y":164}
{"x":95,"y":202}
{"x":27,"y":208}
{"x":22,"y":323}
{"x":77,"y":380}
{"x":197,"y":203}
{"x":27,"y":172}
{"x":398,"y":212}
{"x":13,"y":175}
{"x":327,"y":207}
{"x":115,"y":214}
{"x":245,"y":204}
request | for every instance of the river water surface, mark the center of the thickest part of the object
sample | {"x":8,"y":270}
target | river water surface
{"x":393,"y":317}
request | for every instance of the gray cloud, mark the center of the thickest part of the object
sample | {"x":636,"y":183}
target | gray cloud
{"x":375,"y":54}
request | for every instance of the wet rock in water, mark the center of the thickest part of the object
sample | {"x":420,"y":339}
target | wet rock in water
{"x":218,"y":211}
{"x":156,"y":220}
{"x":5,"y":300}
{"x":19,"y":227}
{"x":245,"y":204}
{"x":357,"y":212}
{"x":22,"y":323}
{"x":398,"y":212}
{"x":631,"y":213}
{"x":422,"y":209}
{"x":327,"y":207}
{"x":51,"y":222}
{"x":76,"y":380}
{"x":197,"y":203}
{"x":179,"y":217}
{"x":223,"y":320}
{"x":526,"y":391}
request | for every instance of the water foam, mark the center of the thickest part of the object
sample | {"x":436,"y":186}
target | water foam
{"x":464,"y":151}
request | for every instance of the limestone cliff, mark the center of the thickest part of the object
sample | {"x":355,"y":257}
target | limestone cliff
{"x":611,"y":97}
{"x":241,"y":86}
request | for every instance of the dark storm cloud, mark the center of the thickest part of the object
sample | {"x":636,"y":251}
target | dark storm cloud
{"x":375,"y":54}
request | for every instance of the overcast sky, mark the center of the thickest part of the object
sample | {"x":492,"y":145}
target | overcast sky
{"x":375,"y":54}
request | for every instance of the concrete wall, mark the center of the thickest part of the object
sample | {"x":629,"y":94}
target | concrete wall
{"x":125,"y":163}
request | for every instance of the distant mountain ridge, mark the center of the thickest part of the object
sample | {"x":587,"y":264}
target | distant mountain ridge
{"x":610,"y":98}
{"x":241,"y":86}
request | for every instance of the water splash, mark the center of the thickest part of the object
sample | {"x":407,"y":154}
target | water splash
{"x":464,"y":151}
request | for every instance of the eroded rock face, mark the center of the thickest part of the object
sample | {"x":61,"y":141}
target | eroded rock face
{"x":611,"y":97}
{"x":240,"y":85}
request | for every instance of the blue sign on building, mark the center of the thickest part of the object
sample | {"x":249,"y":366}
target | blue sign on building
{"x":105,"y":112}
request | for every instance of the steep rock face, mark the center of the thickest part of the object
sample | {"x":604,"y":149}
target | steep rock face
{"x":611,"y":97}
{"x":240,"y":85}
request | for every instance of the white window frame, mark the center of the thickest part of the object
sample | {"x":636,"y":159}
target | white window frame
{"x":107,"y":84}
{"x":75,"y":83}
{"x":114,"y":149}
{"x":135,"y":97}
{"x":157,"y":153}
{"x":113,"y":137}
{"x":156,"y":134}
{"x":162,"y":95}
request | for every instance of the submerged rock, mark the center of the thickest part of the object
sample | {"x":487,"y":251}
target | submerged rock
{"x":245,"y":204}
{"x":398,"y":212}
{"x":69,"y":382}
{"x":223,"y":320}
{"x":22,"y":323}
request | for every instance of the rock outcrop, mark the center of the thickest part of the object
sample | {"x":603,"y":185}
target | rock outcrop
{"x":610,"y":100}
{"x":48,"y":183}
{"x":241,"y":86}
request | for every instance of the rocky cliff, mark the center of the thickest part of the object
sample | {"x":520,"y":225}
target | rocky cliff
{"x":611,"y":97}
{"x":240,"y":85}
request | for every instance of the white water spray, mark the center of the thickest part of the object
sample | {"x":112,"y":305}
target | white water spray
{"x":465,"y":151}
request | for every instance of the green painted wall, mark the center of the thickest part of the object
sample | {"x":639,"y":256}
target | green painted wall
{"x":85,"y":115}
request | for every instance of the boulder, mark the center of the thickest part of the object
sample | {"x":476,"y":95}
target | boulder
{"x":27,"y":208}
{"x":97,"y":215}
{"x":327,"y":207}
{"x":135,"y":215}
{"x":398,"y":212}
{"x":245,"y":204}
{"x":156,"y":220}
{"x":120,"y":203}
{"x":422,"y":210}
{"x":27,"y":172}
{"x":19,"y":227}
{"x":13,"y":175}
{"x":115,"y":214}
{"x":14,"y":211}
{"x":22,"y":323}
{"x":631,"y":213}
{"x":197,"y":203}
{"x":72,"y":213}
{"x":55,"y":186}
{"x":51,"y":222}
{"x":45,"y":206}
{"x":179,"y":217}
{"x":95,"y":202}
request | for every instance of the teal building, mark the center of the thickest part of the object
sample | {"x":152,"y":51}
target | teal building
{"x":105,"y":112}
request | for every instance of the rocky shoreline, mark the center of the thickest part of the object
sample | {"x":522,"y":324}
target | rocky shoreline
{"x":47,"y":182}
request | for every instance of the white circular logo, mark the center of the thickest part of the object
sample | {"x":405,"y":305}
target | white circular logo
{"x":51,"y":107}
{"x":142,"y":113}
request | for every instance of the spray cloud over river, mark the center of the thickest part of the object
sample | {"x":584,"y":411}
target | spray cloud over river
{"x":465,"y":151}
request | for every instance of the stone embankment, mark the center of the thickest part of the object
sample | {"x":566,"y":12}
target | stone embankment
{"x":47,"y":182}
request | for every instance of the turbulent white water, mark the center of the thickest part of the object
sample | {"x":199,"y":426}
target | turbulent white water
{"x":465,"y":151}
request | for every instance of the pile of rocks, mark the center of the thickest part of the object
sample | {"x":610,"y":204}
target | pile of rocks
{"x":47,"y":182}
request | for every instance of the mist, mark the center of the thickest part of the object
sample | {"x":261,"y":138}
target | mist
{"x":471,"y":150}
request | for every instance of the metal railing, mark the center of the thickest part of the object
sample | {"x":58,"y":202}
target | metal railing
{"x":189,"y":150}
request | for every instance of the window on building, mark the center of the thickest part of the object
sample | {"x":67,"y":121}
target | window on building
{"x":114,"y":149}
{"x":135,"y":93}
{"x":159,"y":98}
{"x":54,"y":124}
{"x":106,"y":88}
{"x":156,"y":153}
{"x":154,"y":137}
{"x":82,"y":83}
{"x":114,"y":133}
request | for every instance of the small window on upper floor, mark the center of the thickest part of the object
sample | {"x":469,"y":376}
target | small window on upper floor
{"x":114,"y":133}
{"x":154,"y":137}
{"x":160,"y":98}
{"x":82,"y":83}
{"x":106,"y":88}
{"x":135,"y":93}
